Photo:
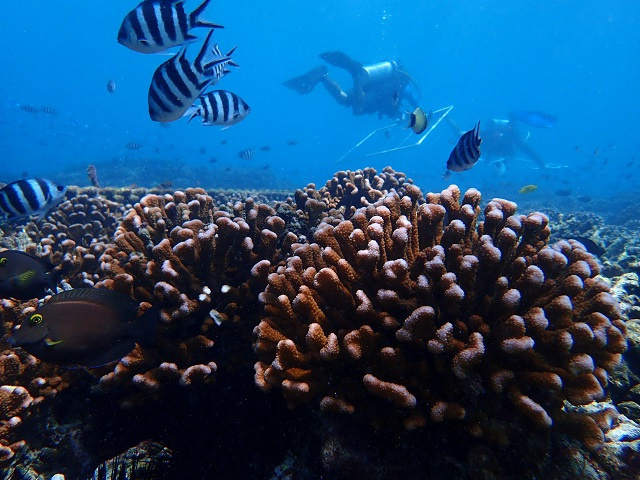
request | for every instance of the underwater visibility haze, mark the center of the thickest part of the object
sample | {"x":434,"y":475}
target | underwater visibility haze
{"x":253,"y":180}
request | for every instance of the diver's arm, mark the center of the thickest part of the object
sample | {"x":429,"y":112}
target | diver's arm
{"x":403,"y":81}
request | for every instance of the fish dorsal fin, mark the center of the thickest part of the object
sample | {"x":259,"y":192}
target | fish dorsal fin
{"x":182,"y":52}
{"x":123,"y":304}
{"x":196,"y":21}
{"x":47,"y":265}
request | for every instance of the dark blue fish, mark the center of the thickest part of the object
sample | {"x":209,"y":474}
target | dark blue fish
{"x":85,"y":326}
{"x":534,"y":119}
{"x":591,"y":246}
{"x":24,"y":276}
{"x":466,"y":152}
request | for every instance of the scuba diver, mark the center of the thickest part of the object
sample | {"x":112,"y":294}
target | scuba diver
{"x":503,"y":141}
{"x":379,"y":88}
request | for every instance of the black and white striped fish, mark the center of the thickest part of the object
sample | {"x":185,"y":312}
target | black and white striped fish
{"x":32,"y":196}
{"x":466,"y":152}
{"x":155,"y":25}
{"x":219,"y":107}
{"x":177,"y":83}
{"x":246,"y":154}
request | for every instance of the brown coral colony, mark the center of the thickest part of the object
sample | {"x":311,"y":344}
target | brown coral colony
{"x":404,"y":310}
{"x":423,"y":312}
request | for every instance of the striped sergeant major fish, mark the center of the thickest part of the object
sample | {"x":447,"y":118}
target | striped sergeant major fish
{"x":177,"y":83}
{"x":32,"y":196}
{"x":220,"y":107}
{"x":246,"y":154}
{"x":466,"y":152}
{"x":155,"y":25}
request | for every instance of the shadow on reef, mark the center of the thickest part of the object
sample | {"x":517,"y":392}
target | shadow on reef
{"x":215,"y":431}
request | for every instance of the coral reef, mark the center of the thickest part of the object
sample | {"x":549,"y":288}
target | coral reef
{"x":446,"y":324}
{"x":416,"y":313}
{"x":345,"y":192}
{"x":201,"y":265}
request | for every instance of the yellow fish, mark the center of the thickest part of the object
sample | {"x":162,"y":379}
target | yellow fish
{"x":528,"y":189}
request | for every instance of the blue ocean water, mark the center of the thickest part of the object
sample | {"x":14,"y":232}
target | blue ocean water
{"x":573,"y":59}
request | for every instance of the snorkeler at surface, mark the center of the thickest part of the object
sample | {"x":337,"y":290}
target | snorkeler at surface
{"x":379,"y":88}
{"x":503,"y":142}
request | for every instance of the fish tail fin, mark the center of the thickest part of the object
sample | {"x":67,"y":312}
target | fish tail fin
{"x":54,"y":276}
{"x":143,"y":330}
{"x":192,"y":112}
{"x":194,"y":21}
{"x":209,"y":55}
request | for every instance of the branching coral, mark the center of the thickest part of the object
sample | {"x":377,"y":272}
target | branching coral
{"x":345,"y":192}
{"x":200,"y":264}
{"x":422,"y":313}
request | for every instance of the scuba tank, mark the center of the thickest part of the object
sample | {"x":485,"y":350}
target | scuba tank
{"x":378,"y":72}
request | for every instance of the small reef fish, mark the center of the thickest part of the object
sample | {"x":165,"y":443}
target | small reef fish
{"x":466,"y":152}
{"x":111,"y":85}
{"x":177,"y":83}
{"x":591,"y":246}
{"x":29,"y":108}
{"x":534,"y":119}
{"x":92,"y":173}
{"x":220,"y":107}
{"x":85,"y":326}
{"x":49,"y":110}
{"x":292,"y":142}
{"x":418,"y":121}
{"x":133,"y":146}
{"x":265,"y":148}
{"x":246,"y":154}
{"x":24,"y":276}
{"x":155,"y":25}
{"x":32,"y":196}
{"x":528,"y":189}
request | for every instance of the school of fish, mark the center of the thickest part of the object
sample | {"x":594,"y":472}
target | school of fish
{"x":178,"y":84}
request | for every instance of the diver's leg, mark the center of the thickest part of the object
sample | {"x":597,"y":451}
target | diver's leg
{"x":305,"y":83}
{"x":335,"y":90}
{"x":342,"y":60}
{"x":532,"y":154}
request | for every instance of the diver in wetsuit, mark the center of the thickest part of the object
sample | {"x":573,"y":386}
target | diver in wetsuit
{"x":379,"y":88}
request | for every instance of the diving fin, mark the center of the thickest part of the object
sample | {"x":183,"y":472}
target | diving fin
{"x":305,"y":83}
